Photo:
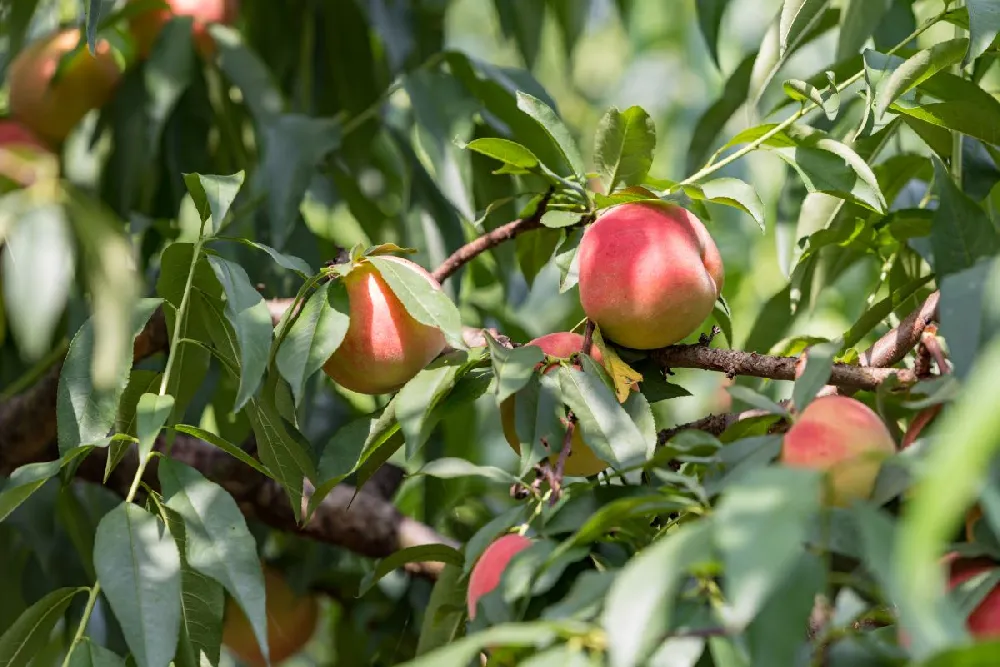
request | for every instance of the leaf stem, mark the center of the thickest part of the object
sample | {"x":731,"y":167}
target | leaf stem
{"x":956,"y":136}
{"x":84,"y":620}
{"x":181,"y":314}
{"x":711,"y":168}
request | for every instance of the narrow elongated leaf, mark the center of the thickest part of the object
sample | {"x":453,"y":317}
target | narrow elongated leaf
{"x":85,"y":414}
{"x":251,"y":320}
{"x":623,"y":148}
{"x":828,"y":99}
{"x":451,"y":467}
{"x":418,"y":397}
{"x":151,"y":414}
{"x":732,"y":192}
{"x":761,"y":525}
{"x":436,"y":553}
{"x":218,"y":543}
{"x":423,"y":301}
{"x":315,"y":336}
{"x":710,"y":13}
{"x":605,"y":425}
{"x":961,"y":232}
{"x":512,"y":368}
{"x":797,"y":16}
{"x":504,"y":150}
{"x":459,"y":653}
{"x":167,"y":74}
{"x":223,"y":444}
{"x":984,"y":24}
{"x":30,"y":633}
{"x":27,"y":479}
{"x":538,"y":410}
{"x":284,"y":260}
{"x":92,"y":19}
{"x":138,"y":567}
{"x":917,"y":69}
{"x":545,"y":116}
{"x":858,"y":20}
{"x":214,"y":195}
{"x":819,"y":363}
{"x":284,"y":455}
{"x":640,"y":604}
{"x":89,"y":654}
{"x":445,"y":611}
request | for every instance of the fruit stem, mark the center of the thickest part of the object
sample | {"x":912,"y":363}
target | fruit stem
{"x":84,"y":620}
{"x":567,"y":447}
{"x":710,"y":168}
{"x":588,"y":337}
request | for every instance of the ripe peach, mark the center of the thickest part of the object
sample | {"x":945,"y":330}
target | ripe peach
{"x":581,"y":461}
{"x":291,"y":622}
{"x":146,"y":27}
{"x":650,"y":274}
{"x":17,"y":136}
{"x":53,"y":108}
{"x":384,"y":346}
{"x":489,"y":568}
{"x":843,"y":437}
{"x":984,"y":621}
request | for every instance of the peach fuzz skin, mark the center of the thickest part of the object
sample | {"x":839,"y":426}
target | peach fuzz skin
{"x":841,"y":436}
{"x":489,"y":568}
{"x":17,"y":136}
{"x":291,"y":622}
{"x":145,"y":27}
{"x":650,"y":274}
{"x":50,"y":110}
{"x":384,"y":346}
{"x":581,"y":461}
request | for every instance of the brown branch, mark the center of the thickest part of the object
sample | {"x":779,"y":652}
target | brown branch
{"x":491,"y":239}
{"x":897,"y":343}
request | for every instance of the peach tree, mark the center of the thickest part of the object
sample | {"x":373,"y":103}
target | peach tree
{"x":329,"y":334}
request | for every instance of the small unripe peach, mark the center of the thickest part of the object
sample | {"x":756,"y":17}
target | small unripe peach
{"x":486,"y":573}
{"x":844,"y":438}
{"x":53,"y":108}
{"x":291,"y":622}
{"x":650,"y":274}
{"x":146,"y":26}
{"x":581,"y":461}
{"x":385,"y":346}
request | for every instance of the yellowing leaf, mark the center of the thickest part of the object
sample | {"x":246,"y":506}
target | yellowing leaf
{"x":625,"y":378}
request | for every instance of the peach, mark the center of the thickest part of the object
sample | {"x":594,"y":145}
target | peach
{"x":844,"y":438}
{"x":650,"y":274}
{"x":582,"y":462}
{"x":51,"y":109}
{"x":146,"y":26}
{"x":984,"y":621}
{"x":489,"y":568}
{"x":384,"y":346}
{"x":291,"y":622}
{"x":17,"y":136}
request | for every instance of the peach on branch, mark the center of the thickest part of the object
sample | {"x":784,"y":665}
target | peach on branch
{"x":291,"y":622}
{"x":52,"y":107}
{"x":582,"y":462}
{"x":385,"y":346}
{"x":984,"y":621}
{"x":146,"y":26}
{"x":486,"y":573}
{"x":844,"y":438}
{"x":650,"y":274}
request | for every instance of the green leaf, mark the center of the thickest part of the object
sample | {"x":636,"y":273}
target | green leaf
{"x":967,"y":321}
{"x":797,"y":17}
{"x":984,"y":24}
{"x":27,"y":479}
{"x":418,"y":397}
{"x":151,"y":414}
{"x":168,"y":72}
{"x":605,"y":425}
{"x":755,"y":399}
{"x":284,"y":260}
{"x":970,"y":428}
{"x":459,"y":653}
{"x":535,"y":250}
{"x":315,"y":335}
{"x":858,"y":20}
{"x":233,"y":450}
{"x":214,"y":195}
{"x":245,"y":69}
{"x":218,"y":543}
{"x":977,"y":655}
{"x":819,"y":363}
{"x":827,"y":99}
{"x":544,"y":115}
{"x":761,"y":525}
{"x":451,"y":467}
{"x":293,"y":147}
{"x":623,"y":147}
{"x":425,"y":302}
{"x":714,"y":119}
{"x":710,"y":13}
{"x":786,"y":611}
{"x":538,"y":410}
{"x":251,"y":321}
{"x":92,"y":19}
{"x":639,"y":607}
{"x":961,"y":232}
{"x":279,"y":449}
{"x":444,"y":615}
{"x":732,"y":192}
{"x":556,"y":219}
{"x":917,"y":69}
{"x":138,"y":567}
{"x":38,"y":262}
{"x":30,"y":633}
{"x":435,"y":553}
{"x":84,"y":413}
{"x":89,"y":654}
{"x":504,"y":150}
{"x":512,"y":368}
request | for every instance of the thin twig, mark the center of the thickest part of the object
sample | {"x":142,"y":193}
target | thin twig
{"x":567,"y":448}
